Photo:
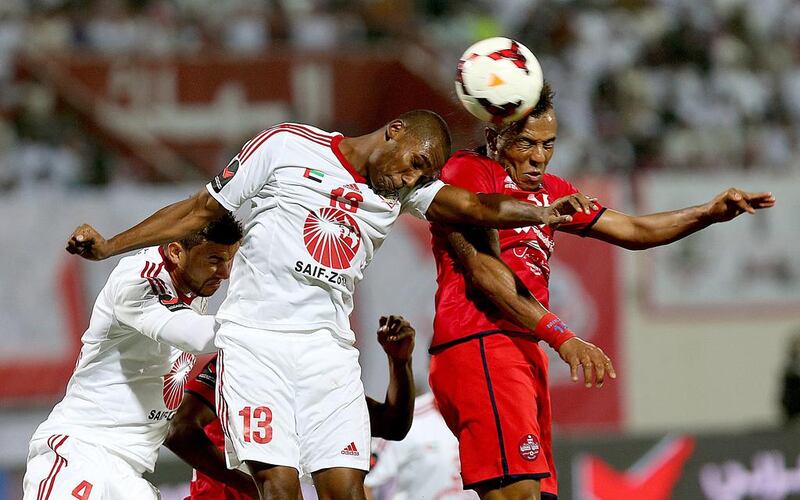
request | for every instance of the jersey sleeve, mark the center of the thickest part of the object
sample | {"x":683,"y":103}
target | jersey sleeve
{"x":385,"y":463}
{"x":248,"y":171}
{"x":145,"y":306}
{"x":581,"y":223}
{"x":416,"y":201}
{"x":204,"y":384}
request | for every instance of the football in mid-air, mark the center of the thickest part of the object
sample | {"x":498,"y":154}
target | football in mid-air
{"x":499,"y":80}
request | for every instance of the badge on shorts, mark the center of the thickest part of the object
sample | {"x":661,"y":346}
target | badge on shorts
{"x":529,"y":447}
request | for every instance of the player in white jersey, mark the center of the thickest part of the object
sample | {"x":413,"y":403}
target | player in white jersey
{"x":424,"y":465}
{"x":128,"y":382}
{"x":321,"y":205}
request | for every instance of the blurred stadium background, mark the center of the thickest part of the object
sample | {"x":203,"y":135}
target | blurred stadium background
{"x":111,"y":108}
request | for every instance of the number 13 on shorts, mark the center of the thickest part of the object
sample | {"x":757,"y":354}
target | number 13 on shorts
{"x":256,"y":424}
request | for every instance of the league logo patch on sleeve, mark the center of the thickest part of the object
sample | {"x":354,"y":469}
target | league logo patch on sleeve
{"x":171,"y":303}
{"x":225,"y":176}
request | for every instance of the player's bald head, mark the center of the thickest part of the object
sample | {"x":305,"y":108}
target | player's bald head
{"x":429,"y":129}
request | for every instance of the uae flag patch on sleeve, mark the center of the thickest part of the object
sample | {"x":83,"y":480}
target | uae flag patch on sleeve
{"x":314,"y":175}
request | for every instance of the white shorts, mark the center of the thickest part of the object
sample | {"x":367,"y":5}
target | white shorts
{"x":64,"y":467}
{"x":291,"y":399}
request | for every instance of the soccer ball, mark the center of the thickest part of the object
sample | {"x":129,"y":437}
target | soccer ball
{"x":499,"y":80}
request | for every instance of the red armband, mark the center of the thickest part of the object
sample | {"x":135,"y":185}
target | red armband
{"x":553,"y":331}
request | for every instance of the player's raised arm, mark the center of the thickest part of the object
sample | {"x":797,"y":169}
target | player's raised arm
{"x":454,"y":205}
{"x":477,"y":251}
{"x":240,"y":180}
{"x":171,"y":223}
{"x":647,"y":231}
{"x":391,"y":419}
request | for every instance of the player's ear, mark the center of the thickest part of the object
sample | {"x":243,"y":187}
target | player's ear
{"x":173,"y":252}
{"x":394,"y":129}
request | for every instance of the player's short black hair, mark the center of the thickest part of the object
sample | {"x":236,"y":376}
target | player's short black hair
{"x":544,"y":105}
{"x":426,"y":123}
{"x":224,"y":230}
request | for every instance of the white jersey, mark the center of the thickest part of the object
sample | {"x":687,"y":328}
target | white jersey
{"x":422,"y":466}
{"x":314,"y":227}
{"x":127,"y":385}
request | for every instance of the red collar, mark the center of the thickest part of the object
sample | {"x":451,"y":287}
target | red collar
{"x":169,"y":266}
{"x":346,"y":164}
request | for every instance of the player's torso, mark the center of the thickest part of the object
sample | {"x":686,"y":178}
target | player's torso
{"x":528,"y":249}
{"x":312,"y":230}
{"x":126,"y":386}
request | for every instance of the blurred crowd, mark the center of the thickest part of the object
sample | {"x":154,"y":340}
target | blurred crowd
{"x":641,"y":84}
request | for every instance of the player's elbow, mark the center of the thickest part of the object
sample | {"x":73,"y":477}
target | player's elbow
{"x":398,"y":431}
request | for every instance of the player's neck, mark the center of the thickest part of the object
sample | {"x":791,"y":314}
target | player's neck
{"x":357,"y":150}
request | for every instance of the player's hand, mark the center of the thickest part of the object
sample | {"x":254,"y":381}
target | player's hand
{"x":733,"y":202}
{"x":559,"y":212}
{"x":396,"y":336}
{"x":596,"y":365}
{"x":88,"y":243}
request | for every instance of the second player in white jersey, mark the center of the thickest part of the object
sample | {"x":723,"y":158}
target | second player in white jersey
{"x":313,"y":228}
{"x":424,"y":465}
{"x":146,"y":324}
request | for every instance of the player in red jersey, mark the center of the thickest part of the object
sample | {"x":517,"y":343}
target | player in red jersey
{"x":196,"y":434}
{"x":490,"y":313}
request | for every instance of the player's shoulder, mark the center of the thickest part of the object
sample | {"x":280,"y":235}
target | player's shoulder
{"x":557,"y":186}
{"x":140,"y":275}
{"x":470,"y":162}
{"x":297,"y":132}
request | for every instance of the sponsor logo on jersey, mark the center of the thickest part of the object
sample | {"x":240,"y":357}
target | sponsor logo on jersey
{"x":351,"y":450}
{"x":332,"y":237}
{"x":176,"y":379}
{"x":529,"y":447}
{"x":225,"y":176}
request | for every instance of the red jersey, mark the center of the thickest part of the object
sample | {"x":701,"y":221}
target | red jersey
{"x":202,"y":486}
{"x":462,"y":311}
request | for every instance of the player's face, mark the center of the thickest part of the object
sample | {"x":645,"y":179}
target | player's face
{"x":525,"y":155}
{"x":405,"y":161}
{"x":204,"y":267}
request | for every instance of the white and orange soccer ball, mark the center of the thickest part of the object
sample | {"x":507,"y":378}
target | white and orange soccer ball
{"x":499,"y":80}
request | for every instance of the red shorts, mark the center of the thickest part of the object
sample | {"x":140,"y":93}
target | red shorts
{"x":492,"y":392}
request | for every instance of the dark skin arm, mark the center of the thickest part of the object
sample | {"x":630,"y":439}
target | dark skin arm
{"x":454,"y":205}
{"x":478,"y":252}
{"x":391,"y":419}
{"x":187,"y":439}
{"x":647,"y":231}
{"x":171,"y":223}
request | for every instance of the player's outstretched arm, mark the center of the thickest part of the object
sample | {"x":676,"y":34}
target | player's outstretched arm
{"x":187,"y":439}
{"x":171,"y":223}
{"x":478,"y":252}
{"x":454,"y":205}
{"x":391,"y":419}
{"x":647,"y":231}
